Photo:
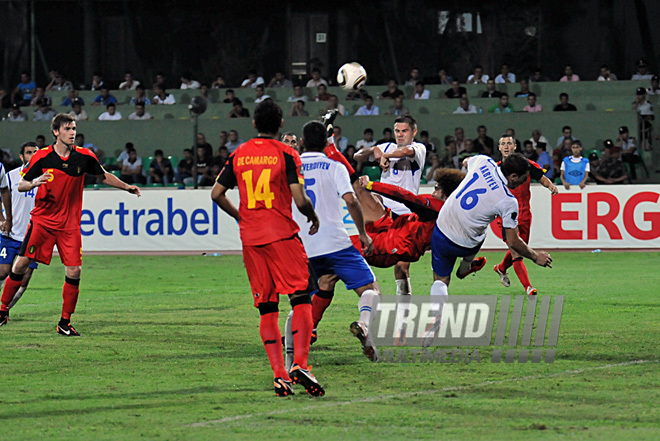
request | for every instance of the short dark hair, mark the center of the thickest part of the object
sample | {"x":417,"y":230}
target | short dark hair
{"x":504,"y":94}
{"x":448,"y":140}
{"x":387,"y":130}
{"x":187,"y":150}
{"x":515,"y":163}
{"x":566,"y":128}
{"x":532,"y":94}
{"x":268,"y":117}
{"x":368,"y":130}
{"x":424,"y":133}
{"x":59,"y":120}
{"x":228,"y":91}
{"x":541,"y":145}
{"x":287,"y":134}
{"x":406,"y":119}
{"x":158,"y":152}
{"x":419,"y":83}
{"x":236,"y":102}
{"x":576,"y":142}
{"x":563,"y":94}
{"x":41,"y":137}
{"x":27,"y":144}
{"x":111,"y":105}
{"x":527,"y":142}
{"x":314,"y":136}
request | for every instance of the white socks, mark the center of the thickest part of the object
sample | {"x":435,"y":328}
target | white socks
{"x":364,"y":305}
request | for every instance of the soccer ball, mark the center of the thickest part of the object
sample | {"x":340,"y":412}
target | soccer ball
{"x":351,"y":76}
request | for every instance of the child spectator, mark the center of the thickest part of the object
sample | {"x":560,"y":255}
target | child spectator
{"x":575,"y":169}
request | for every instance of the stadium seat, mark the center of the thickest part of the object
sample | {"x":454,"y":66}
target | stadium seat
{"x":116,"y":172}
{"x":155,"y":184}
{"x":110,"y":161}
{"x":373,"y":172}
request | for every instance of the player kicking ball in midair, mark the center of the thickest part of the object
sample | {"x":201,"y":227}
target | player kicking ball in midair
{"x":21,"y":206}
{"x":507,"y":146}
{"x":331,"y":252}
{"x":268,"y":176}
{"x":58,"y":171}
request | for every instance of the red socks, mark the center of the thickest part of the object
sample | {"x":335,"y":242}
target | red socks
{"x":301,"y":327}
{"x":336,"y":155}
{"x":12,"y":285}
{"x":70,"y":297}
{"x":521,"y":272}
{"x":506,"y":263}
{"x":320,"y":303}
{"x":271,"y":337}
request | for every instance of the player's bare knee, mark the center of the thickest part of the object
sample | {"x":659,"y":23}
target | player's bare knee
{"x":73,"y":272}
{"x":327,"y":282}
{"x":362,"y":289}
{"x":21,"y":265}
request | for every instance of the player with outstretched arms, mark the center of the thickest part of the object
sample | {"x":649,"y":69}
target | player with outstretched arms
{"x":58,"y":171}
{"x":402,"y":164}
{"x":507,"y":145}
{"x":21,"y":206}
{"x":460,"y":230}
{"x":268,"y":176}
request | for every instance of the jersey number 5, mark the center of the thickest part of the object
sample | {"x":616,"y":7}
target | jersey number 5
{"x":260,"y":192}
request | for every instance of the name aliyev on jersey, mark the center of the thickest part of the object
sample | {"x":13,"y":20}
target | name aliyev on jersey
{"x":484,"y":194}
{"x":404,"y":172}
{"x":332,"y":235}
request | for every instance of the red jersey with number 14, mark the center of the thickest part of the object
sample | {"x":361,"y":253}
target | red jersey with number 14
{"x":263,"y":168}
{"x":58,"y":203}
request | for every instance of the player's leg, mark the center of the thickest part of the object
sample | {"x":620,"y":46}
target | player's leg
{"x":288,"y":342}
{"x":470,"y":264}
{"x":296,"y":279}
{"x":26,"y":281}
{"x":12,"y":285}
{"x":507,"y":260}
{"x":518,"y":263}
{"x":69,"y":245}
{"x":257,"y":261}
{"x":323,"y":297}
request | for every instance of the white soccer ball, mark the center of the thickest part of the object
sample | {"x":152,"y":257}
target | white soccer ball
{"x":351,"y":76}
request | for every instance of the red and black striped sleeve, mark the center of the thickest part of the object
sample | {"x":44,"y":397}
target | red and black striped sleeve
{"x":536,"y":172}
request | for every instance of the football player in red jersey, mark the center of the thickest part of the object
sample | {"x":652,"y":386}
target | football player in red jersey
{"x":268,"y":174}
{"x":59,"y":173}
{"x":507,"y":146}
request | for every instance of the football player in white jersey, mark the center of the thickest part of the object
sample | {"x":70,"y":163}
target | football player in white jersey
{"x":461,"y":226}
{"x":330,"y":251}
{"x":21,"y":206}
{"x":402,"y":164}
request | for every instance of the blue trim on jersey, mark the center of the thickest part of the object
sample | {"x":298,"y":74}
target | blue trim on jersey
{"x":9,"y":249}
{"x":497,"y":173}
{"x":347,"y":264}
{"x":444,"y":253}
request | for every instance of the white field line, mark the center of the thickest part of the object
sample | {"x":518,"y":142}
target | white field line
{"x":307,"y":408}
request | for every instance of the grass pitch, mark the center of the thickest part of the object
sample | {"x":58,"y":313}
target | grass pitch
{"x":171,"y":350}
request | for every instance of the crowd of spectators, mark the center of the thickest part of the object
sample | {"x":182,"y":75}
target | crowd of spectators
{"x":614,"y":164}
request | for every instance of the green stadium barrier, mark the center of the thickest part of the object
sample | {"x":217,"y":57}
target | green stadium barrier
{"x":172,"y":136}
{"x":373,"y":172}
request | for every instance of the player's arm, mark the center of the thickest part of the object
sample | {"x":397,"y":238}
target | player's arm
{"x":401,"y":152}
{"x":219,"y":196}
{"x":547,"y":183}
{"x":567,"y":186}
{"x":7,"y":221}
{"x":514,"y":242}
{"x":363,"y":154}
{"x":27,"y":185}
{"x":355,"y":210}
{"x":583,"y":182}
{"x":305,"y":206}
{"x":114,"y":181}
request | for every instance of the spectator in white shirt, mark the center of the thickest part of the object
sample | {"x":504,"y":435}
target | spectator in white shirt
{"x":162,"y":97}
{"x":420,"y":92}
{"x":253,"y":80}
{"x":110,"y":114}
{"x":368,"y":108}
{"x":129,"y":83}
{"x":188,"y":83}
{"x":505,"y":76}
{"x":316,"y":79}
{"x":140,"y":113}
{"x":465,"y":107}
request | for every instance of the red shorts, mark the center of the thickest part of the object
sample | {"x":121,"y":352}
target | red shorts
{"x":40,"y":240}
{"x":524,"y":226}
{"x":278,"y":268}
{"x":404,"y":239}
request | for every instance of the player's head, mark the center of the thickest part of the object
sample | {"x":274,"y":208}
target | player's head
{"x":314,"y":136}
{"x":63,"y":128}
{"x":507,"y":145}
{"x":405,"y":130}
{"x":268,"y":118}
{"x":447,"y":180}
{"x":290,"y":139}
{"x":576,"y":148}
{"x":27,"y":150}
{"x":515,"y":169}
